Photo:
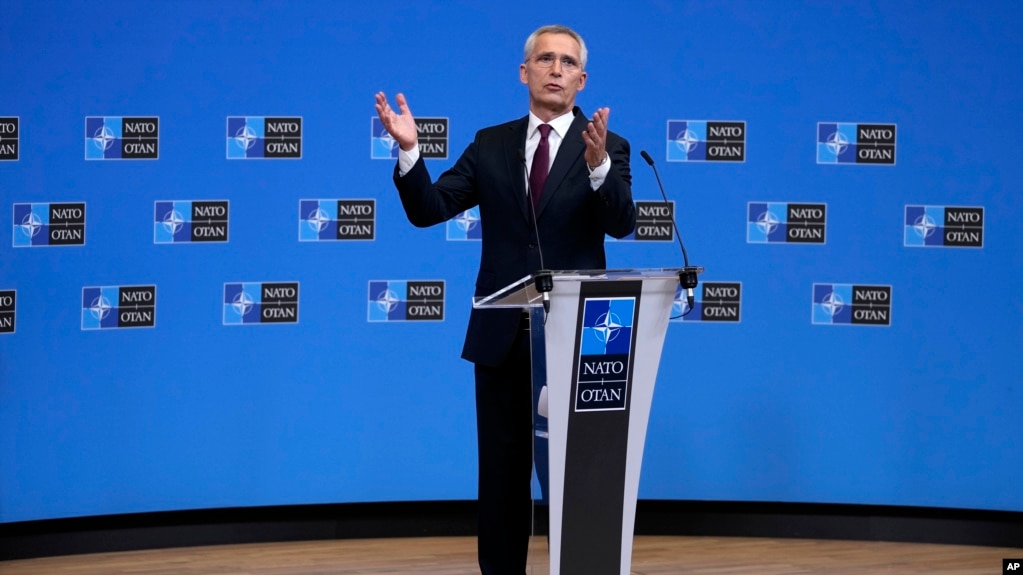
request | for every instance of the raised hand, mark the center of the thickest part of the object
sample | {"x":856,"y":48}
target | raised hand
{"x":595,"y":137}
{"x":401,"y":126}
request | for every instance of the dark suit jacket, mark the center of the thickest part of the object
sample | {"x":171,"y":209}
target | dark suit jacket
{"x":572,"y":217}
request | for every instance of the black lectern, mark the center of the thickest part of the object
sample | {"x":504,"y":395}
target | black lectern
{"x":595,"y":357}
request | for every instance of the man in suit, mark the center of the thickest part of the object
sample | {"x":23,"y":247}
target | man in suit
{"x":578,"y":185}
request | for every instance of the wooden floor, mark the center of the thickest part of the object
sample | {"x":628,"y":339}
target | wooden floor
{"x":457,"y":556}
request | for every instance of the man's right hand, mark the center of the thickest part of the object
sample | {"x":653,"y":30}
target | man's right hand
{"x":401,"y":127}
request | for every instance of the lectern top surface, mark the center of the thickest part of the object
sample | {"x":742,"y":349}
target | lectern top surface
{"x":523,"y":293}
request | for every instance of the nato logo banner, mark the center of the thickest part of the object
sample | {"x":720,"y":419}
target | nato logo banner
{"x":264,"y":137}
{"x":187,"y":221}
{"x":116,"y":307}
{"x":780,"y":223}
{"x":122,"y":138}
{"x":944,"y":227}
{"x":9,"y":138}
{"x":605,"y":354}
{"x":850,"y":304}
{"x":253,"y":303}
{"x":654,"y":222}
{"x":465,"y":226}
{"x":433,"y":137}
{"x":431,"y":132}
{"x":8,"y":307}
{"x":406,"y":300}
{"x":42,"y":225}
{"x":847,"y":143}
{"x":713,"y":302}
{"x":336,"y":220}
{"x":706,"y":141}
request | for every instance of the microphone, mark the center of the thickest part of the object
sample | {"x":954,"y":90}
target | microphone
{"x":687,"y":275}
{"x":543,"y":281}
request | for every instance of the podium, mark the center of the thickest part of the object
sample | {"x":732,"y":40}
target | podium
{"x":594,"y":359}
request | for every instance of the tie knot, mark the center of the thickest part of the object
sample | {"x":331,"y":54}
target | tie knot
{"x":545,"y":130}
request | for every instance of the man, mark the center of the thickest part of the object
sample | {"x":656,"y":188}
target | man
{"x":586,"y":194}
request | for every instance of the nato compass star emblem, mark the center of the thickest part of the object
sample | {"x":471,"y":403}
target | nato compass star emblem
{"x":680,"y":306}
{"x":767,"y":223}
{"x":388,"y":141}
{"x":245,"y":137}
{"x":687,"y":140}
{"x":467,"y":220}
{"x":607,"y":327}
{"x":318,"y":220}
{"x":837,"y":143}
{"x":387,"y":301}
{"x":832,"y":304}
{"x":465,"y":226}
{"x":173,"y":221}
{"x":31,"y":225}
{"x":100,"y":308}
{"x":103,"y":138}
{"x":925,"y":226}
{"x":242,"y":303}
{"x":382,"y":145}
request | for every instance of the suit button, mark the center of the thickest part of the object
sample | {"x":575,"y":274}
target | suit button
{"x":532,"y":246}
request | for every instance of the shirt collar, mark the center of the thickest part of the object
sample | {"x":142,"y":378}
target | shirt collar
{"x":561,"y":124}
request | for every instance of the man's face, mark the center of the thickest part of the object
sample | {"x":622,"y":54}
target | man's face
{"x":554,"y":74}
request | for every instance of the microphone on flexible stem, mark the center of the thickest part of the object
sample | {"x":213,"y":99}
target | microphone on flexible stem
{"x":687,"y":275}
{"x":543,"y":281}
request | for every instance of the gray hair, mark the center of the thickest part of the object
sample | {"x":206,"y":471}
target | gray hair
{"x":555,"y":29}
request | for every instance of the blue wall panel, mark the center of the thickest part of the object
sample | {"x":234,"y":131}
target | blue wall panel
{"x":192,"y":413}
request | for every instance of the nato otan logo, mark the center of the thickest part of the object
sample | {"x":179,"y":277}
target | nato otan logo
{"x":49,"y":224}
{"x":847,"y":143}
{"x":8,"y":306}
{"x":781,"y":223}
{"x":713,"y":301}
{"x":851,"y":304}
{"x":253,"y":303}
{"x":605,"y":354}
{"x":336,"y":220}
{"x":944,"y":227}
{"x":188,"y":221}
{"x":9,"y":138}
{"x":706,"y":141}
{"x":406,"y":300}
{"x":432,"y":134}
{"x":116,"y":307}
{"x":264,"y":137}
{"x":654,"y":222}
{"x":465,"y":226}
{"x":122,"y":138}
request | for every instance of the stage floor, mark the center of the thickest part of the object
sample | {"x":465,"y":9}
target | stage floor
{"x":457,"y":556}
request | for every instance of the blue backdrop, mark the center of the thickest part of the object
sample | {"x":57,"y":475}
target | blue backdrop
{"x":341,"y":407}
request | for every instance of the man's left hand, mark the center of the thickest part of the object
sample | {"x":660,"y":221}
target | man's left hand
{"x":595,"y":137}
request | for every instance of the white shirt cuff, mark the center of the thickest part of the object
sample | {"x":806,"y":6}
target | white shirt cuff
{"x":408,"y":159}
{"x":599,"y":174}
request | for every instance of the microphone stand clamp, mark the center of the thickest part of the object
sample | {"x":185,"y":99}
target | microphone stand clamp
{"x":543,"y":281}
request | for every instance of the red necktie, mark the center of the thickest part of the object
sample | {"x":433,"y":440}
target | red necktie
{"x":541,"y":162}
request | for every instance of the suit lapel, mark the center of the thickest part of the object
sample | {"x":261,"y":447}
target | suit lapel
{"x":572,"y":147}
{"x":515,"y":144}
